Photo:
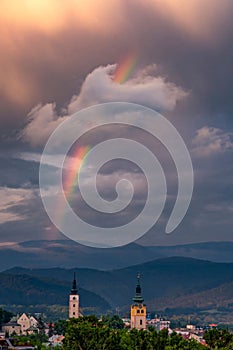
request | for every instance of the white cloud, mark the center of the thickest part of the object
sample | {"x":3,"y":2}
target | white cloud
{"x":15,"y":246}
{"x":99,"y":87}
{"x":210,"y":140}
{"x":9,"y":197}
{"x":43,"y":120}
{"x":143,"y":89}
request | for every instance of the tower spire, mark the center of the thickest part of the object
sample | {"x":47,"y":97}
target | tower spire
{"x":74,"y":289}
{"x":138,"y":296}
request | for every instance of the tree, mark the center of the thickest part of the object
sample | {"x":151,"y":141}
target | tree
{"x":5,"y":316}
{"x":50,"y":333}
{"x":41,"y":325}
{"x":114,"y":322}
{"x":60,"y":327}
{"x":87,"y":333}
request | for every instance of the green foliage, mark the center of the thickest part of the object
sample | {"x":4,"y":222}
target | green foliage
{"x":5,"y":316}
{"x":60,"y":327}
{"x":33,"y":339}
{"x":113,"y":322}
{"x":219,"y":339}
{"x":87,"y":333}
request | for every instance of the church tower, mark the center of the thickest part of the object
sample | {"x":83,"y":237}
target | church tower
{"x":138,"y":309}
{"x":74,"y":300}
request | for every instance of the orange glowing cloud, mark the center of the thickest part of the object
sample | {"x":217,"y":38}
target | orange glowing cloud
{"x":40,"y":38}
{"x":53,"y":15}
{"x":202,"y":19}
{"x":29,"y":33}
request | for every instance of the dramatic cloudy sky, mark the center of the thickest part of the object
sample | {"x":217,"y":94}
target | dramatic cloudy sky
{"x":58,"y":57}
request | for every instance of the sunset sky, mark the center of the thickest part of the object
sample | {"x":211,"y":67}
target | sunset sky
{"x":60,"y":56}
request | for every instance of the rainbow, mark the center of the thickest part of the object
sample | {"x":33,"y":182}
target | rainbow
{"x":70,"y":180}
{"x":74,"y":166}
{"x":125,"y":68}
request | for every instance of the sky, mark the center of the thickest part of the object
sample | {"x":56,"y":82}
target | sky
{"x":58,"y":57}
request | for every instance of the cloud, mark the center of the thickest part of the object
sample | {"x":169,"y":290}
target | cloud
{"x":210,"y":140}
{"x":42,"y":121}
{"x":201,"y":19}
{"x":48,"y":47}
{"x":8,"y":199}
{"x":144,"y":88}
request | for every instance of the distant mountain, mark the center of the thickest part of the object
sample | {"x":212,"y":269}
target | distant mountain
{"x":162,"y":278}
{"x":66,"y":254}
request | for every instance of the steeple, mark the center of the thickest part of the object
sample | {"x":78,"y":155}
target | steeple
{"x":74,"y":290}
{"x":138,"y":296}
{"x":138,"y":309}
{"x":74,"y":300}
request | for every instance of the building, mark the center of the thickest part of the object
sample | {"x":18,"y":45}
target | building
{"x":74,"y":300}
{"x":159,"y":323}
{"x":138,"y":309}
{"x":28,"y":323}
{"x":24,"y":324}
{"x":11,"y":327}
{"x":56,"y":340}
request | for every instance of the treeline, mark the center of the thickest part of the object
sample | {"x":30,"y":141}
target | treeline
{"x":87,"y":333}
{"x":219,"y":339}
{"x":5,"y":316}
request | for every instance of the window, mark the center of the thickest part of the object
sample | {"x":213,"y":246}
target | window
{"x":138,"y":311}
{"x":73,"y":313}
{"x":74,"y":298}
{"x":73,"y":305}
{"x":142,"y":311}
{"x":140,"y":322}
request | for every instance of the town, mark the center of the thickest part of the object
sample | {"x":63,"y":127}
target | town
{"x":28,"y":332}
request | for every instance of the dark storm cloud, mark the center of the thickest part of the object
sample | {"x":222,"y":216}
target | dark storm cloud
{"x":26,"y":220}
{"x":17,"y":173}
{"x":44,"y":61}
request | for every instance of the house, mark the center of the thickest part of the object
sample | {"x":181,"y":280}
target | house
{"x":11,"y":327}
{"x":56,"y":340}
{"x":24,"y":324}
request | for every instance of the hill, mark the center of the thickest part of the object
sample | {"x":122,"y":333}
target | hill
{"x":219,"y":298}
{"x":22,"y":289}
{"x":162,"y":278}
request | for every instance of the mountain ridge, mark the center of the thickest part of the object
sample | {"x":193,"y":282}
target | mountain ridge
{"x":66,"y":254}
{"x":169,"y":277}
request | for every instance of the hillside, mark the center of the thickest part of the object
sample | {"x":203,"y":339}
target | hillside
{"x":162,"y":278}
{"x":27,"y":290}
{"x":215,"y":298}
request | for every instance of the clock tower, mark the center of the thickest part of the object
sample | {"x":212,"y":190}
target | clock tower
{"x":74,"y":300}
{"x":138,"y":309}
